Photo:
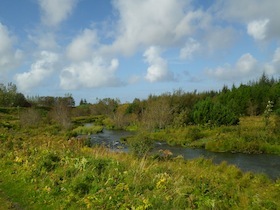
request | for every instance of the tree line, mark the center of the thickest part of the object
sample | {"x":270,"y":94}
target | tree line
{"x":177,"y":109}
{"x":10,"y":97}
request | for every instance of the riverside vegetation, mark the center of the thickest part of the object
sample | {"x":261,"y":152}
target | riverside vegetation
{"x":46,"y":164}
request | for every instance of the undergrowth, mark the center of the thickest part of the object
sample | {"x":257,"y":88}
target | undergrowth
{"x":40,"y":170}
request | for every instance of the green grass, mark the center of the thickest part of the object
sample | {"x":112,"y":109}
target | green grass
{"x":97,"y":120}
{"x":41,"y":169}
{"x":251,"y":136}
{"x":87,"y":130}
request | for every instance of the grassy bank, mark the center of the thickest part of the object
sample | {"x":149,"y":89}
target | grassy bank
{"x":42,"y":170}
{"x":250,"y":136}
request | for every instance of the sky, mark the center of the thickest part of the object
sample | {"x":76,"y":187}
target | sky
{"x":126,"y":49}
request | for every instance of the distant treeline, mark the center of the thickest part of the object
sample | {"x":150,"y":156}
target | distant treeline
{"x":177,"y":109}
{"x":10,"y":97}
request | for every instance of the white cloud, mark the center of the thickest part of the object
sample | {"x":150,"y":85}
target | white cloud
{"x":145,"y":23}
{"x":158,"y":69}
{"x":250,"y":12}
{"x":190,"y":22}
{"x":273,"y":66}
{"x":189,"y":49}
{"x":9,"y":57}
{"x":56,"y":11}
{"x":97,"y":72}
{"x":82,"y":46}
{"x":258,"y":29}
{"x":44,"y":41}
{"x":245,"y":66}
{"x":39,"y":71}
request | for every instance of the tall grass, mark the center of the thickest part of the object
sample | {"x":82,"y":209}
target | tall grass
{"x":43,"y":171}
{"x":87,"y":130}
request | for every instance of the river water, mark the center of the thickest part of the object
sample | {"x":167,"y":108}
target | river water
{"x":260,"y":163}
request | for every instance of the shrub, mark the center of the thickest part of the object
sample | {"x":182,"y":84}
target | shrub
{"x":30,"y":118}
{"x":140,"y":145}
{"x":194,"y":134}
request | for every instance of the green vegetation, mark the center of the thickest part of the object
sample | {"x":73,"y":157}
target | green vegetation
{"x":40,"y":170}
{"x":47,"y":161}
{"x":208,"y":112}
{"x":87,"y":130}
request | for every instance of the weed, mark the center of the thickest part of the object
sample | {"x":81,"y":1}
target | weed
{"x":140,"y":145}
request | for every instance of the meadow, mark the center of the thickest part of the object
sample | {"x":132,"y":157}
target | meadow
{"x":43,"y":167}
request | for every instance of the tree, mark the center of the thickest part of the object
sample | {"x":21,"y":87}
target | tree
{"x":106,"y":106}
{"x":157,"y":114}
{"x":9,"y":97}
{"x":207,"y":111}
{"x":61,"y":112}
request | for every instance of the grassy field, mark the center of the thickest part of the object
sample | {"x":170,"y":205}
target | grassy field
{"x":41,"y":168}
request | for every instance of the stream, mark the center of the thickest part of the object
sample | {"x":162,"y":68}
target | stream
{"x":257,"y":163}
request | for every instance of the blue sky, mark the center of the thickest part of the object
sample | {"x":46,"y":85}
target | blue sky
{"x":129,"y":49}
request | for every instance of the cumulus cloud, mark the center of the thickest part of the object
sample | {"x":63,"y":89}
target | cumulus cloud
{"x":258,"y":28}
{"x":158,"y":69}
{"x":54,"y":11}
{"x":273,"y":66}
{"x":191,"y":46}
{"x":145,"y":23}
{"x":191,"y":22}
{"x":142,"y":24}
{"x":245,"y":66}
{"x":39,"y":71}
{"x":9,"y":57}
{"x":81,"y":47}
{"x":256,"y":15}
{"x":97,"y":72}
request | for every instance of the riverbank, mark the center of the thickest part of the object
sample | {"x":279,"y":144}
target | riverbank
{"x":40,"y":169}
{"x":250,"y":137}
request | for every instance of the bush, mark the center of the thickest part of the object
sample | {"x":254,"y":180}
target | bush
{"x":30,"y":118}
{"x":194,"y":134}
{"x":140,"y":145}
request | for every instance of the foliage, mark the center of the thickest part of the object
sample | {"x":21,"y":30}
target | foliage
{"x":42,"y":171}
{"x":157,"y":114}
{"x":81,"y":120}
{"x":9,"y":97}
{"x":86,"y":130}
{"x":61,"y":113}
{"x":207,"y":111}
{"x":140,"y":145}
{"x":30,"y":118}
{"x":50,"y":101}
{"x":267,"y":112}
